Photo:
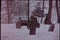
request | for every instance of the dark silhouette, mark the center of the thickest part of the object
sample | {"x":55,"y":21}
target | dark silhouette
{"x":21,"y":23}
{"x":33,"y":25}
{"x":52,"y":26}
{"x":48,"y":17}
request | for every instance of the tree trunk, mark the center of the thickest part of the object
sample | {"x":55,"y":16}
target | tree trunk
{"x":48,"y":17}
{"x":8,"y":11}
{"x":57,"y":9}
{"x":42,"y":10}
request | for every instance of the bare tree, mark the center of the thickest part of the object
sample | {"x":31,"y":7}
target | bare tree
{"x":57,"y":9}
{"x":15,"y":9}
{"x":8,"y":11}
{"x":48,"y":17}
{"x":43,"y":10}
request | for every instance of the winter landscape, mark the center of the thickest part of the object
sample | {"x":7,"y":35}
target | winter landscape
{"x":8,"y":26}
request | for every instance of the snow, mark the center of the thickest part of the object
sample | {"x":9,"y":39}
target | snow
{"x":9,"y":32}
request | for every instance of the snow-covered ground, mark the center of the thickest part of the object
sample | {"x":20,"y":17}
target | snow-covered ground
{"x":9,"y":32}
